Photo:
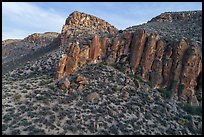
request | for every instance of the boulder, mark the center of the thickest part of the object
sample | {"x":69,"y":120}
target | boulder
{"x":82,"y":80}
{"x":64,"y":84}
{"x":93,"y":96}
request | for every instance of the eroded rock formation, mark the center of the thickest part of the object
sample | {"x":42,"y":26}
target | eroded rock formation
{"x":174,"y":65}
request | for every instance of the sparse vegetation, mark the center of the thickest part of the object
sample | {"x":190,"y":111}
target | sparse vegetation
{"x":52,"y":87}
{"x":166,"y":93}
{"x":17,"y":97}
{"x":194,"y":110}
{"x":183,"y":121}
{"x":132,"y":76}
{"x":44,"y":82}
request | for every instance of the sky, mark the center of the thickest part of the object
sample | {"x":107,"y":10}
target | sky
{"x":20,"y":19}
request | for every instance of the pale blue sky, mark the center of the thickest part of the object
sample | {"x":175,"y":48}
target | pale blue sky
{"x":23,"y":18}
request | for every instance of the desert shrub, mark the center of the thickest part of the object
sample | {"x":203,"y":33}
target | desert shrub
{"x":17,"y":97}
{"x":182,"y":121}
{"x":157,"y":98}
{"x":139,"y":78}
{"x":103,"y":63}
{"x":121,"y":68}
{"x":194,"y":110}
{"x":150,"y":84}
{"x":52,"y":87}
{"x":24,"y":91}
{"x":181,"y":88}
{"x":166,"y":93}
{"x":44,"y":82}
{"x":132,"y":76}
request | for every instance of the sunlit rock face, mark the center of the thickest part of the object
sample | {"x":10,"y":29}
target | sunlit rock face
{"x":174,"y":65}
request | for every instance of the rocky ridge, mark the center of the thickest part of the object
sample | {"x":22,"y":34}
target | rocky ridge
{"x":109,"y":83}
{"x":178,"y":16}
{"x":16,"y":49}
{"x":174,"y":65}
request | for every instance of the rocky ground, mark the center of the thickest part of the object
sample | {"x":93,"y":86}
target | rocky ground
{"x":188,"y":29}
{"x":109,"y":102}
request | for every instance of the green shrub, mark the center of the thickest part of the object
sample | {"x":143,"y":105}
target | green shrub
{"x":52,"y":87}
{"x":132,"y":76}
{"x":139,"y":78}
{"x":195,"y":110}
{"x":43,"y":82}
{"x":181,"y":88}
{"x":166,"y":93}
{"x":17,"y":97}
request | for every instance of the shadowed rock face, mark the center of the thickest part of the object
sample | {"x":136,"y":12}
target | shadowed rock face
{"x":174,"y":65}
{"x":15,"y":49}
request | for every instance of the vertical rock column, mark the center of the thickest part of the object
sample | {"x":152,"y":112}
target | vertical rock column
{"x":191,"y":70}
{"x":137,"y":47}
{"x":167,"y":63}
{"x":72,"y":58}
{"x":95,"y":50}
{"x":103,"y":47}
{"x":156,"y":77}
{"x":112,"y":56}
{"x":61,"y":67}
{"x":148,"y":57}
{"x":179,"y":51}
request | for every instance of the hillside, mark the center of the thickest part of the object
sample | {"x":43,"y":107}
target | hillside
{"x":94,"y":79}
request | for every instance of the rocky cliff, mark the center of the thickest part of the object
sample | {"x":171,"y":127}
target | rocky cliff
{"x":174,"y":65}
{"x":107,"y":82}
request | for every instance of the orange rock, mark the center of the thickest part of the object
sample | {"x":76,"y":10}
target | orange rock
{"x":148,"y":56}
{"x":128,"y":37}
{"x":72,"y":59}
{"x":80,"y":87}
{"x":167,"y":63}
{"x":64,"y":84}
{"x":137,"y":47}
{"x":103,"y":46}
{"x":95,"y":50}
{"x":178,"y":54}
{"x":114,"y":50}
{"x":61,"y":67}
{"x":82,"y":80}
{"x":83,"y":57}
{"x":191,"y":70}
{"x":156,"y":75}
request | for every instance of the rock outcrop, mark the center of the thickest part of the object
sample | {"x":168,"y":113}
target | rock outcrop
{"x":175,"y":16}
{"x":173,"y":65}
{"x":16,"y":49}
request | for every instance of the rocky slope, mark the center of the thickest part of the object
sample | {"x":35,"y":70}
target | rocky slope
{"x":15,"y":49}
{"x":103,"y":81}
{"x":175,"y":25}
{"x":101,"y":100}
{"x":174,"y":64}
{"x":15,"y":53}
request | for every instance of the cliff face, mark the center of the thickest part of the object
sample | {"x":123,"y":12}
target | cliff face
{"x":175,"y":65}
{"x":83,"y":25}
